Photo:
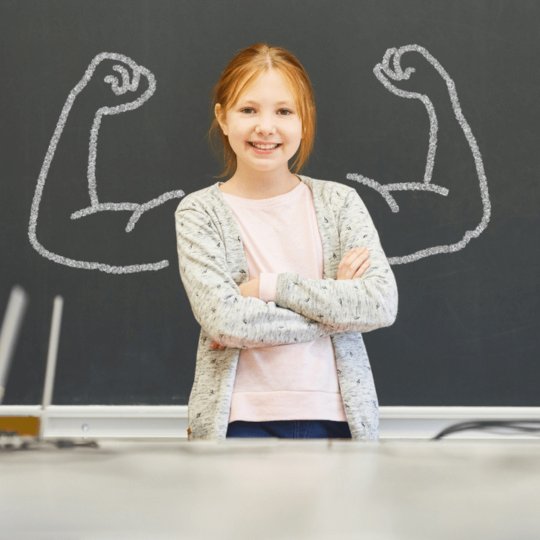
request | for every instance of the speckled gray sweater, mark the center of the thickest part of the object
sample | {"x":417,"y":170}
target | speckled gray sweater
{"x":212,"y":265}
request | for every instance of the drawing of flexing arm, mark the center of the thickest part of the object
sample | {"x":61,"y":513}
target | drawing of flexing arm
{"x":125,"y":91}
{"x":390,"y":72}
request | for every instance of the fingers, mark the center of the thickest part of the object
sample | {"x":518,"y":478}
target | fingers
{"x":363,"y":268}
{"x":127,"y":80}
{"x":250,"y":288}
{"x":354,"y":263}
{"x":354,"y":257}
{"x":391,"y":64}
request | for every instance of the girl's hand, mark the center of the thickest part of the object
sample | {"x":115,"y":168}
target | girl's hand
{"x":354,"y":263}
{"x":249,"y":288}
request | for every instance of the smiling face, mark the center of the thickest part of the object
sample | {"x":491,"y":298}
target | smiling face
{"x":263,"y":127}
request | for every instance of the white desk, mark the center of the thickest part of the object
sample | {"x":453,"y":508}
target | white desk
{"x":262,"y":489}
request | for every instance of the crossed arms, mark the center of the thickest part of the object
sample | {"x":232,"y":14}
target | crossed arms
{"x":304,"y":309}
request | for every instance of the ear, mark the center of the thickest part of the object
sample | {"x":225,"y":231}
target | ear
{"x":218,"y":112}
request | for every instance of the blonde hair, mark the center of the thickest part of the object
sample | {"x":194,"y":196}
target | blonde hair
{"x":241,"y":71}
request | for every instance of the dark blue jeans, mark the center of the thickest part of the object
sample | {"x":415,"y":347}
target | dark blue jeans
{"x":290,"y":429}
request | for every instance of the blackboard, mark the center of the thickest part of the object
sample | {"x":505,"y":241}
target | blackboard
{"x":468,"y":327}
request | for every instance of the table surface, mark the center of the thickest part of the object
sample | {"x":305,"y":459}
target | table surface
{"x":272,"y":488}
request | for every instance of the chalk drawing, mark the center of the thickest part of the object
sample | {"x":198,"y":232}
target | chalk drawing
{"x":121,"y":84}
{"x":390,"y":69}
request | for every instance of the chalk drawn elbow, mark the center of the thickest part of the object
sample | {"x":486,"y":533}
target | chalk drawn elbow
{"x":93,"y":265}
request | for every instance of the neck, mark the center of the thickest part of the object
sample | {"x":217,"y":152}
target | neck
{"x":262,"y":184}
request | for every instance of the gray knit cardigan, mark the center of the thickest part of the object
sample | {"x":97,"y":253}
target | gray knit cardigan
{"x":212,"y":265}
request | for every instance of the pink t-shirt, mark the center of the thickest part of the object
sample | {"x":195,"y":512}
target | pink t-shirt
{"x":296,"y":381}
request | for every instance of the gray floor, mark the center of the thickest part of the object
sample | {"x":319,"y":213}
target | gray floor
{"x":259,"y":489}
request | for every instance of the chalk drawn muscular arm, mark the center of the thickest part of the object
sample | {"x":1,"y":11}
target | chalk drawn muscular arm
{"x":392,"y":74}
{"x":128,"y":85}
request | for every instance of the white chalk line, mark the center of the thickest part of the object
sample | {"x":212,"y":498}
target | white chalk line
{"x":394,"y":73}
{"x":120,"y":85}
{"x":383,"y":71}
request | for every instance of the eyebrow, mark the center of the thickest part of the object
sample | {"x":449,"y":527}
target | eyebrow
{"x":278,"y":103}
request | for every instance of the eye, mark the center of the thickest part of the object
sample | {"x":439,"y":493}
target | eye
{"x":246,"y":109}
{"x":289,"y":112}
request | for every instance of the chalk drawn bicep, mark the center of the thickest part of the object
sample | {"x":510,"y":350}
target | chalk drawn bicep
{"x":405,"y":71}
{"x":114,"y":84}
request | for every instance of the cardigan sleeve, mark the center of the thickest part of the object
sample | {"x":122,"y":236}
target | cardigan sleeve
{"x":216,"y":301}
{"x":360,"y":304}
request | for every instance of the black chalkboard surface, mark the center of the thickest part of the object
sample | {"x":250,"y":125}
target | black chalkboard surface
{"x":446,"y":158}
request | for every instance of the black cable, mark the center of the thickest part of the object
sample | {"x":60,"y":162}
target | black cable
{"x":516,"y":425}
{"x":66,"y":443}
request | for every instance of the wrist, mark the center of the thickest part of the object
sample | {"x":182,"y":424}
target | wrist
{"x":266,"y":286}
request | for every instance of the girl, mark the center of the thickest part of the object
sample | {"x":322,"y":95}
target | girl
{"x":283,"y":272}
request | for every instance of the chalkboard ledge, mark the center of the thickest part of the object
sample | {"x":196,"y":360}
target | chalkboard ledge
{"x":170,"y":422}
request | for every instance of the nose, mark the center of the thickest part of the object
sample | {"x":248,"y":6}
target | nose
{"x":260,"y":130}
{"x":265,"y":126}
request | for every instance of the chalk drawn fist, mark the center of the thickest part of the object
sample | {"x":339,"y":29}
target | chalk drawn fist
{"x":120,"y":81}
{"x":402,"y":70}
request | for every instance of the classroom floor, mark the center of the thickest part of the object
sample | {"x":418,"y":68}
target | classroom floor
{"x":259,"y":489}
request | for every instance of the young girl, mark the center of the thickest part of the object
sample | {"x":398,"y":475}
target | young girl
{"x":283,"y":272}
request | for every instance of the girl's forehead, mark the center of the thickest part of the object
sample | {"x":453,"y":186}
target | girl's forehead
{"x":274,"y":88}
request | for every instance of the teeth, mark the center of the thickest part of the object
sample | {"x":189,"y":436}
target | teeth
{"x":265,"y":146}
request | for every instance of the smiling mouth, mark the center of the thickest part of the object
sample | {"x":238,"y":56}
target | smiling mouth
{"x":264,"y":146}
